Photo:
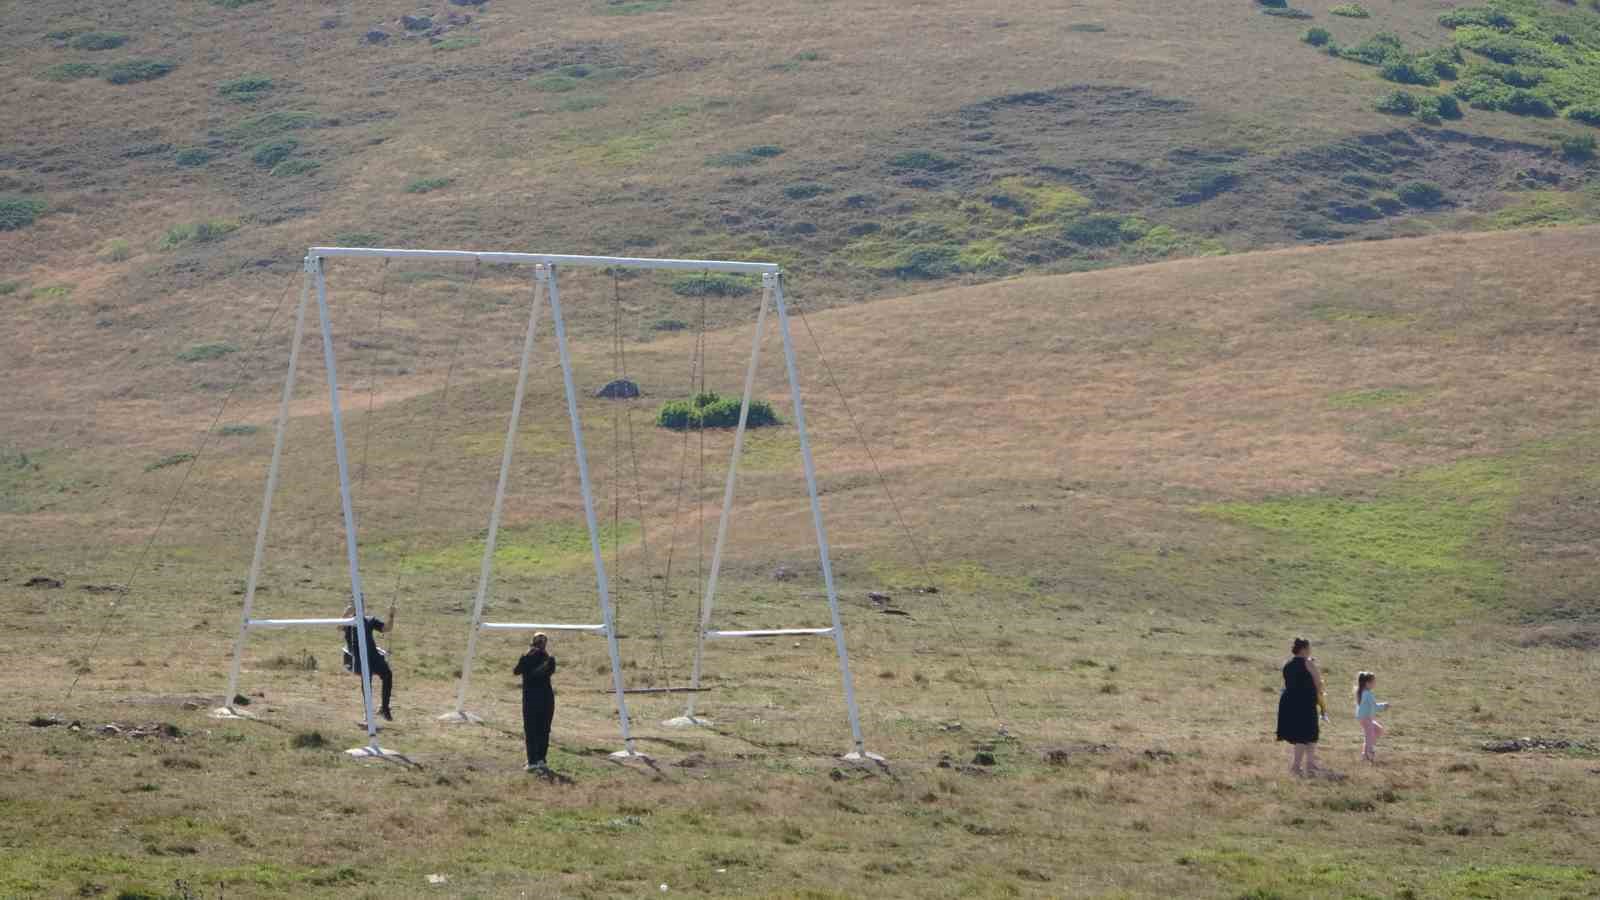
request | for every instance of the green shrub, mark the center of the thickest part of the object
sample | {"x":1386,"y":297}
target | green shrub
{"x":1481,"y":16}
{"x":924,"y":261}
{"x":1509,"y":50}
{"x":711,"y":284}
{"x":1376,"y":50}
{"x":425,"y":185}
{"x":765,"y":151}
{"x":1578,"y":147}
{"x":291,"y":167}
{"x":1203,"y":184}
{"x":231,"y":4}
{"x":1350,"y":11}
{"x":190,"y":157}
{"x":805,"y":190}
{"x":555,"y":84}
{"x":1527,"y":103}
{"x":923,"y":160}
{"x":1317,"y":37}
{"x":237,"y":430}
{"x":19,"y":212}
{"x":203,"y":352}
{"x":98,"y":40}
{"x":1397,"y":103}
{"x":457,"y":42}
{"x":273,"y":152}
{"x":1442,"y":106}
{"x":582,"y":103}
{"x":1273,"y":4}
{"x":1098,"y":230}
{"x":8,"y":288}
{"x":266,"y":125}
{"x":176,"y":459}
{"x":1403,"y":70}
{"x":246,"y":89}
{"x":1288,"y":13}
{"x":750,"y":156}
{"x":70,"y":71}
{"x":1589,"y":115}
{"x":1421,"y":194}
{"x":709,"y":410}
{"x":116,"y":250}
{"x":197,"y":233}
{"x":136,"y":70}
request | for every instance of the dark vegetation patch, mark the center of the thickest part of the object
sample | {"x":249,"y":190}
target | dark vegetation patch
{"x":19,"y":212}
{"x":133,"y":71}
{"x":70,"y":71}
{"x":246,"y":89}
{"x":97,"y":40}
{"x":711,"y":410}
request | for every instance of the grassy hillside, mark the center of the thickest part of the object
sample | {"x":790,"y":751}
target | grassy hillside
{"x":1132,"y":487}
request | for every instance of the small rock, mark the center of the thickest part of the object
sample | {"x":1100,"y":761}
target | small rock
{"x":416,"y":23}
{"x":438,"y":879}
{"x":103,"y":589}
{"x":783,"y":573}
{"x":621,"y":389}
{"x":950,"y":726}
{"x":109,"y":729}
{"x":42,"y":581}
{"x":878,"y":597}
{"x":330,"y":23}
{"x":376,"y":36}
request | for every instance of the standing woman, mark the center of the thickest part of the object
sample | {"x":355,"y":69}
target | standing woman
{"x":1298,"y":708}
{"x":538,"y":699}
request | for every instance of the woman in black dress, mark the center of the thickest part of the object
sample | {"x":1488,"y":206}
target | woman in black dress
{"x":1299,"y":707}
{"x":538,"y":700}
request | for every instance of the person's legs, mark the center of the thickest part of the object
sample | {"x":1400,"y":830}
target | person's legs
{"x":530,"y":730}
{"x":1311,"y":759}
{"x":544,"y":715}
{"x":383,"y":671}
{"x":1372,"y":731}
{"x":1295,"y":767}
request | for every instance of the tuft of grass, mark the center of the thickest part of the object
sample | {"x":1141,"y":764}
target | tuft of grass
{"x":1317,"y":36}
{"x":426,"y":185}
{"x":70,"y":71}
{"x":133,"y":71}
{"x":17,"y":213}
{"x":192,"y":157}
{"x":630,"y":7}
{"x":7,"y":288}
{"x":116,"y":250}
{"x":308,"y":740}
{"x":358,"y":239}
{"x":750,"y":156}
{"x":1372,"y":398}
{"x":292,"y":167}
{"x":197,"y":233}
{"x":52,"y":292}
{"x":457,"y":42}
{"x":202,"y":352}
{"x":246,"y":88}
{"x":1350,"y":11}
{"x":1421,"y":194}
{"x":97,"y":40}
{"x":272,"y":124}
{"x":923,"y":160}
{"x":176,"y":459}
{"x":271,"y":153}
{"x":238,"y":430}
{"x":554,"y":84}
{"x":232,"y":4}
{"x":582,"y":103}
{"x":712,"y":284}
{"x":805,"y":190}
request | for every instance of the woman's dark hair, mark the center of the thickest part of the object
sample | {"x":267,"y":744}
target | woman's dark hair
{"x":1362,"y":680}
{"x":1300,"y":643}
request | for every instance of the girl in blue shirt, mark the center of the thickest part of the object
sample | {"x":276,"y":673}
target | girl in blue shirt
{"x":1367,"y":709}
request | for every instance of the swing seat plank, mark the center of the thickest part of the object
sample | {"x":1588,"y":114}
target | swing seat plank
{"x":768,"y":632}
{"x":534,"y":626}
{"x":286,"y":623}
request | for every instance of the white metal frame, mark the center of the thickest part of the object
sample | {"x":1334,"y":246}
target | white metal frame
{"x":546,"y":286}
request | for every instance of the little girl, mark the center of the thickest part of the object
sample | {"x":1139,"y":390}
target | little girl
{"x":1367,"y":709}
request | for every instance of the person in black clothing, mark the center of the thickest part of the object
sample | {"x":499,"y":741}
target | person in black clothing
{"x":377,"y":660}
{"x":1299,"y":706}
{"x":538,"y":699}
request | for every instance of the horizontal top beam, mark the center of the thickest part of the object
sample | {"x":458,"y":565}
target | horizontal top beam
{"x":630,"y":262}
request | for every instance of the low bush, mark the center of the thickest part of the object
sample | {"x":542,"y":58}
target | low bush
{"x":1527,"y":103}
{"x":176,"y":459}
{"x":116,"y":250}
{"x":1579,"y":147}
{"x":923,"y":160}
{"x":1437,"y":108}
{"x":273,"y":152}
{"x":1510,"y":50}
{"x":1098,"y":230}
{"x":1350,"y":11}
{"x":1273,"y":4}
{"x":1376,"y":50}
{"x":197,"y":233}
{"x":750,"y":156}
{"x":1588,"y":115}
{"x":805,"y":190}
{"x":8,"y":288}
{"x":135,"y":70}
{"x":237,"y":430}
{"x":924,"y":261}
{"x":231,"y":4}
{"x":1317,"y":37}
{"x":191,"y":157}
{"x":1397,"y":103}
{"x":1404,"y":70}
{"x":1288,"y":13}
{"x":19,"y":212}
{"x":246,"y":89}
{"x":70,"y":71}
{"x":1482,"y":16}
{"x":1206,"y":183}
{"x":582,"y":103}
{"x":266,"y":125}
{"x":1422,"y":194}
{"x":711,"y":284}
{"x":98,"y":40}
{"x":710,"y":410}
{"x":203,"y":352}
{"x":425,"y":185}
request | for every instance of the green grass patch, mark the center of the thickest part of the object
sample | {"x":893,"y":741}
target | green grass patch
{"x":272,"y":124}
{"x":232,"y":4}
{"x":52,"y":291}
{"x":923,"y":161}
{"x":292,"y":167}
{"x":457,"y":42}
{"x":750,"y":156}
{"x":1373,"y":398}
{"x":427,"y":185}
{"x":97,"y":40}
{"x":531,"y":550}
{"x":238,"y":430}
{"x":202,"y":352}
{"x":358,"y":239}
{"x":271,"y":153}
{"x":581,"y":103}
{"x":197,"y":233}
{"x":133,"y":71}
{"x":1517,"y":880}
{"x":17,"y":213}
{"x":166,"y":462}
{"x":1413,"y":554}
{"x":116,"y":250}
{"x":70,"y":71}
{"x":192,"y":157}
{"x":1539,"y":209}
{"x":247,"y":88}
{"x":7,"y":288}
{"x":630,"y":7}
{"x":712,"y":284}
{"x":1350,"y":11}
{"x":554,"y":84}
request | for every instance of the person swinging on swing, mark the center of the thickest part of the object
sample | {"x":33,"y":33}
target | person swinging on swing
{"x":538,"y":700}
{"x":377,"y":659}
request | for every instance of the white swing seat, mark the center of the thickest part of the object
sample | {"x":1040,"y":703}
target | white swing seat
{"x":768,"y":632}
{"x":535,"y":626}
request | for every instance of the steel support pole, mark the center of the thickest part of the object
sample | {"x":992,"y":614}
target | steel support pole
{"x":860,"y":752}
{"x":351,"y":550}
{"x":486,"y":567}
{"x":607,"y":616}
{"x":280,"y":430}
{"x":768,"y":282}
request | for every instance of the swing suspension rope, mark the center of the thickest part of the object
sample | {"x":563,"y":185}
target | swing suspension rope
{"x":696,"y":381}
{"x":172,"y":501}
{"x":911,"y":538}
{"x":372,"y":376}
